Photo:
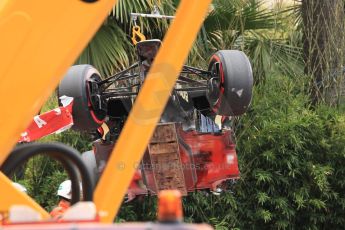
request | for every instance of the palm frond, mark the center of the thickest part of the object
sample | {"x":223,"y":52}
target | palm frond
{"x":272,"y":56}
{"x":240,"y":16}
{"x":111,"y":50}
{"x":247,"y":25}
{"x":108,"y":50}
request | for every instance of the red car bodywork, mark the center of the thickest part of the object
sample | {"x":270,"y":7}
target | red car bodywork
{"x":206,"y":160}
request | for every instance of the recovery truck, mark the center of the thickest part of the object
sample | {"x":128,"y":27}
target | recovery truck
{"x":188,"y":150}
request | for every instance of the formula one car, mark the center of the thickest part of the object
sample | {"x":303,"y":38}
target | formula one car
{"x":224,"y":89}
{"x":192,"y":146}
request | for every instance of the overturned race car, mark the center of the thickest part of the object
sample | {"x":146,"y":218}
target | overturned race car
{"x":192,"y":147}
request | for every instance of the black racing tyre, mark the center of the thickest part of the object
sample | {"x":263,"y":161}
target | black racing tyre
{"x":90,"y":162}
{"x":230,"y":88}
{"x":76,"y":84}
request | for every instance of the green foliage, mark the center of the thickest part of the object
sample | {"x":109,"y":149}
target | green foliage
{"x":141,"y":209}
{"x":108,"y":50}
{"x":111,"y":48}
{"x":41,"y":177}
{"x":291,"y":160}
{"x":241,"y":24}
{"x":263,"y":34}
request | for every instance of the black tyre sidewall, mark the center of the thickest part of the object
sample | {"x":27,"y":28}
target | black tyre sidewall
{"x":74,"y":84}
{"x":237,"y":76}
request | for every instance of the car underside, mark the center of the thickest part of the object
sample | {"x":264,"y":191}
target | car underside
{"x":192,"y":147}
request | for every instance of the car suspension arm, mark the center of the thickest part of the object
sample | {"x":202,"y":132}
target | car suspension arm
{"x":118,"y":75}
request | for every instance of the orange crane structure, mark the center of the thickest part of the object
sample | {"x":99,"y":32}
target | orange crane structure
{"x":39,"y":41}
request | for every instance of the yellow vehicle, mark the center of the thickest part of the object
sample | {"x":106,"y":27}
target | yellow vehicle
{"x":39,"y":41}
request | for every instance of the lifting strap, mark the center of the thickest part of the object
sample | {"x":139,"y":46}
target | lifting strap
{"x":137,"y":34}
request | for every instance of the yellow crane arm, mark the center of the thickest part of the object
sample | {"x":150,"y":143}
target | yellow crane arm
{"x":148,"y":107}
{"x":39,"y":40}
